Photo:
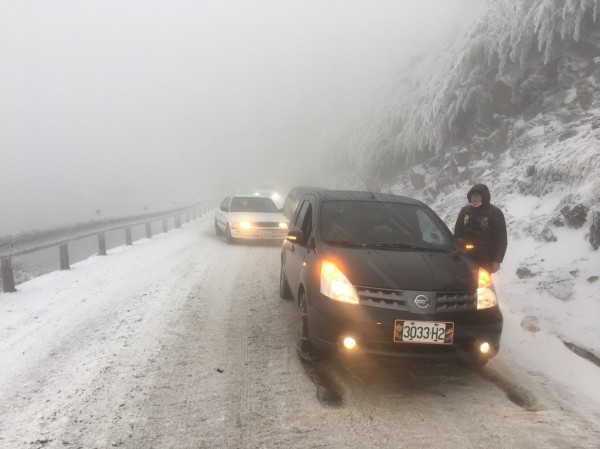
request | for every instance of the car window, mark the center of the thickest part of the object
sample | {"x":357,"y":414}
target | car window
{"x":307,"y":222}
{"x":430,"y":232}
{"x":381,"y":223}
{"x":253,"y":204}
{"x":225,"y":203}
{"x":289,"y":208}
{"x":300,"y":213}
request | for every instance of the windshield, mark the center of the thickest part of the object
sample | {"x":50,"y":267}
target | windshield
{"x":252,"y":204}
{"x":380,"y":224}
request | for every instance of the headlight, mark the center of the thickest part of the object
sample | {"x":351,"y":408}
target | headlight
{"x":241,"y":224}
{"x":275,"y":196}
{"x":335,"y":285}
{"x":283,"y":225}
{"x":486,"y":297}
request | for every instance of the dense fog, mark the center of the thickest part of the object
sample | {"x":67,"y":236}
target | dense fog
{"x":116,"y":107}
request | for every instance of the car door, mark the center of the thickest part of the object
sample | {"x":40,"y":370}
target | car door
{"x":296,"y":252}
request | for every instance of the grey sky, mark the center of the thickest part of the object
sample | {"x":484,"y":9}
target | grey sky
{"x":118,"y":104}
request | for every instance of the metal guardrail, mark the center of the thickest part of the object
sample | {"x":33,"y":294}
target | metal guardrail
{"x":38,"y":240}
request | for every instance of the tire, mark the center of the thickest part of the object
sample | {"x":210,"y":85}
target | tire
{"x":304,"y":347}
{"x":228,"y":235}
{"x":217,"y":229}
{"x":284,"y":287}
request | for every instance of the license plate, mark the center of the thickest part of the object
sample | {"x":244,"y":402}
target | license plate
{"x":264,"y":234}
{"x":429,"y":332}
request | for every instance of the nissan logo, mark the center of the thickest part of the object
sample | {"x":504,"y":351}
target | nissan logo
{"x":421,"y":301}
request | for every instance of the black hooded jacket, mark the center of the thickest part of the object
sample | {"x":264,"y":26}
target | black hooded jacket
{"x":484,"y":227}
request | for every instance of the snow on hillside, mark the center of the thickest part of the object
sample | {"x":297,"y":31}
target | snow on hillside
{"x":518,"y":90}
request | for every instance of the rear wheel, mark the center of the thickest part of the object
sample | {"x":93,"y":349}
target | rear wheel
{"x":284,"y":287}
{"x":303,"y":346}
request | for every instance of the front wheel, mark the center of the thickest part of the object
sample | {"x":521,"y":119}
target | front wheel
{"x":217,"y":229}
{"x":304,"y":347}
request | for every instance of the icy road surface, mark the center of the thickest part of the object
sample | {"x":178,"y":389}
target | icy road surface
{"x":182,"y":341}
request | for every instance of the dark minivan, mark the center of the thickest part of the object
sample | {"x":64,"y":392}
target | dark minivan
{"x":382,"y":274}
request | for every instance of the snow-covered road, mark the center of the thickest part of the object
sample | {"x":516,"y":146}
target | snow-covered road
{"x":182,"y":341}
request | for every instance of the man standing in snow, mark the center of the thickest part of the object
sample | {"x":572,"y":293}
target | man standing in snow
{"x":482,"y":225}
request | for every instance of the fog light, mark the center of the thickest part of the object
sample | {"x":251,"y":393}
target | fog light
{"x":349,"y":343}
{"x":485,"y":347}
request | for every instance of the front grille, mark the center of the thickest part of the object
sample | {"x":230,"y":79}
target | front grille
{"x":382,"y":298}
{"x":402,"y":300}
{"x":456,"y":302}
{"x":266,"y":224}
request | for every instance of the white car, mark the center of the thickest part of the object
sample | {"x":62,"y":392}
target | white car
{"x":250,"y":217}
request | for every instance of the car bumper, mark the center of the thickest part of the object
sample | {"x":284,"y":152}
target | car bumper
{"x":373,"y":329}
{"x":259,"y":233}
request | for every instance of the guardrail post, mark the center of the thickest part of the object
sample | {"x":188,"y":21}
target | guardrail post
{"x":148,"y":230}
{"x":128,"y":240}
{"x":165,"y":225}
{"x":101,"y":244}
{"x":64,"y":256}
{"x":8,"y":275}
{"x":177,"y":221}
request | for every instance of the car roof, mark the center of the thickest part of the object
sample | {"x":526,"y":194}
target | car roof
{"x":360,"y":195}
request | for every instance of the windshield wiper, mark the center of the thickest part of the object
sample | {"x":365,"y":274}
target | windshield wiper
{"x":400,"y":245}
{"x":344,"y":243}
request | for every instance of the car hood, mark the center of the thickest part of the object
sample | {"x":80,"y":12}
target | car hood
{"x":404,"y":270}
{"x":259,"y":216}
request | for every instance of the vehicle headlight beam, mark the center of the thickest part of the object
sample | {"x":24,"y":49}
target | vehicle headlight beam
{"x":335,"y":284}
{"x":486,"y":296}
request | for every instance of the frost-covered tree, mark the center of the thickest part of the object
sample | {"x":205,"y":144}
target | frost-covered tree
{"x":473,"y":94}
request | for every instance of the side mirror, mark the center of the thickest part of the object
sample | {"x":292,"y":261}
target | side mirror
{"x":281,"y":209}
{"x":223,"y":208}
{"x":296,"y":236}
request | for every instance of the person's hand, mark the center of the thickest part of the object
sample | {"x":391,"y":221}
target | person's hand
{"x":495,"y":266}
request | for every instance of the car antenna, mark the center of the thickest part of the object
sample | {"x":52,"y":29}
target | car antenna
{"x":365,"y":183}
